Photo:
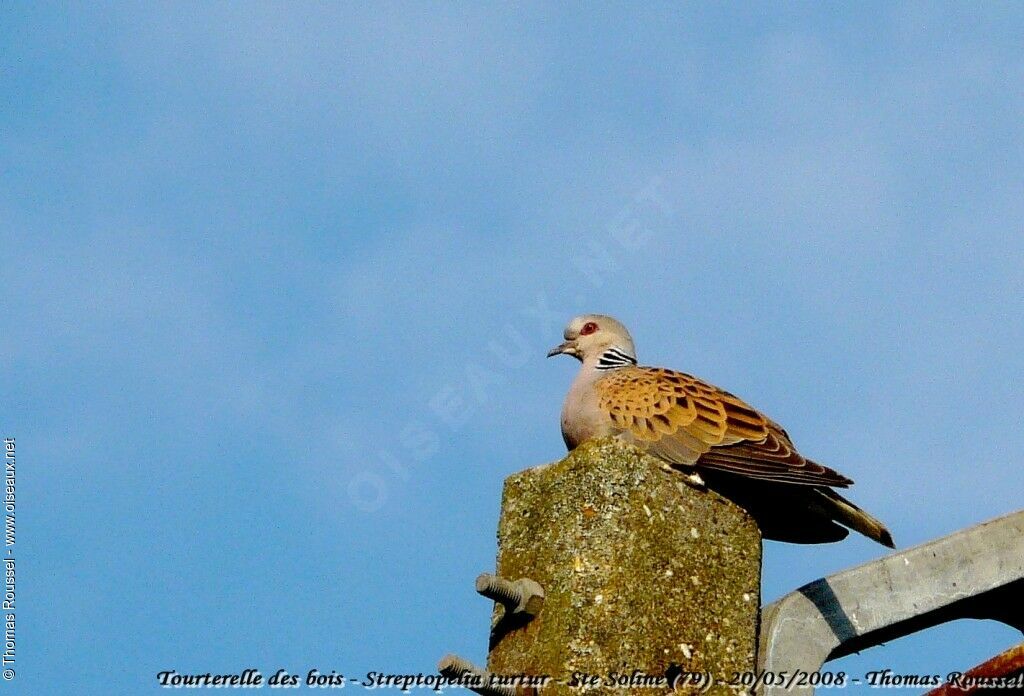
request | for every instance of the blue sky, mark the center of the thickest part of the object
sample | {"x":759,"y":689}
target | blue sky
{"x":279,"y":280}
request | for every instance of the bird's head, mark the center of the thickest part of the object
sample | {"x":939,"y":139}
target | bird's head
{"x":589,"y":336}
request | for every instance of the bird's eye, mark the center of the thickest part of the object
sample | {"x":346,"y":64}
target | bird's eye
{"x":588,"y":328}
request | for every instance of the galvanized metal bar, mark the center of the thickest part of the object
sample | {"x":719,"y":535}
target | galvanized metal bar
{"x":974,"y":573}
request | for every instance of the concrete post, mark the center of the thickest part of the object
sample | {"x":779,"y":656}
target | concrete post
{"x":640,"y":570}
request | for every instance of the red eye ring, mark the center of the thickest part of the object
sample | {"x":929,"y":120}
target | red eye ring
{"x":588,"y":328}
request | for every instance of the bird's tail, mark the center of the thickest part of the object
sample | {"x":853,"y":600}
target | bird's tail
{"x":846,"y":513}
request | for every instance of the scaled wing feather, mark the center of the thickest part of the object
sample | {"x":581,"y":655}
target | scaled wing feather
{"x":686,"y":421}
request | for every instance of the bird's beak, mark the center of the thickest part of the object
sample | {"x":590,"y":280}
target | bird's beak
{"x":569,"y":348}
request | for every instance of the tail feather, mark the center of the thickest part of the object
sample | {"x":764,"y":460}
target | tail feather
{"x":846,"y":513}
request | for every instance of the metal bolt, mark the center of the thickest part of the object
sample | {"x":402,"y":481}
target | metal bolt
{"x":453,"y":667}
{"x":522,"y":596}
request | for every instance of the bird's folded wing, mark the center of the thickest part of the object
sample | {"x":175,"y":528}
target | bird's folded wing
{"x":686,"y":421}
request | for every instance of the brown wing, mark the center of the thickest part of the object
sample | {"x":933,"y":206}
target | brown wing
{"x":685,"y":421}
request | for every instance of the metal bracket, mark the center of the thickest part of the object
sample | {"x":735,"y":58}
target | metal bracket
{"x":975,"y":573}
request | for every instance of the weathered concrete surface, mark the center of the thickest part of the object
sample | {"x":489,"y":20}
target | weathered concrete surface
{"x":641,"y":571}
{"x":975,"y":573}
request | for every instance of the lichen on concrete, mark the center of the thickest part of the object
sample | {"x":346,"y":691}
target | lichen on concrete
{"x":641,"y":570}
